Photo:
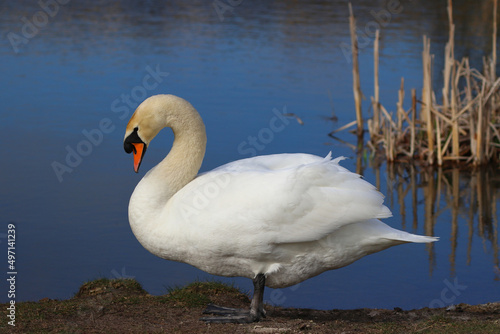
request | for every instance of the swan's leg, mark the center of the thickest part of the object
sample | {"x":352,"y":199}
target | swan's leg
{"x":233,"y":315}
{"x":257,"y":304}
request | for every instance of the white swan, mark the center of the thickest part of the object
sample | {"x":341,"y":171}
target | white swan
{"x":277,"y":219}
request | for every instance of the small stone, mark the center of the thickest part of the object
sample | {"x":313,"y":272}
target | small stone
{"x":260,"y":329}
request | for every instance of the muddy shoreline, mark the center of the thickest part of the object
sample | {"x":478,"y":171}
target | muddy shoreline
{"x":122,"y":306}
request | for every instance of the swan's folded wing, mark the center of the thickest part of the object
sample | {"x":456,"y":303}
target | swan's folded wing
{"x":263,"y":206}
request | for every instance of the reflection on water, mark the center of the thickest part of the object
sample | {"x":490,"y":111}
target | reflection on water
{"x":470,"y":197}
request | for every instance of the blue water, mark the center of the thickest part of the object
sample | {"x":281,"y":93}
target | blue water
{"x":88,"y":66}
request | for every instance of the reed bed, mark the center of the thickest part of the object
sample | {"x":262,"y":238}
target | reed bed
{"x":463,"y":127}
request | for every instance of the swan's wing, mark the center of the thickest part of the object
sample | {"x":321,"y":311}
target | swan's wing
{"x":265,"y":163}
{"x":270,"y":200}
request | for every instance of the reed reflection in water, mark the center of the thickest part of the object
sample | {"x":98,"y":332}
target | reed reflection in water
{"x":426,"y":195}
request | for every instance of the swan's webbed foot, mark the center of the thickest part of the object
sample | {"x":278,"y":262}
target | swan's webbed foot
{"x":231,"y":315}
{"x":220,"y":310}
{"x":237,"y":315}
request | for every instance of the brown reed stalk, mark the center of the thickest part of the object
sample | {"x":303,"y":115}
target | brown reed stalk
{"x":387,"y":143}
{"x":471,"y":115}
{"x":489,"y":136}
{"x":438,"y":142}
{"x":427,"y":98}
{"x":376,"y":93}
{"x":356,"y":86}
{"x":455,"y":147}
{"x":468,"y":86}
{"x":449,"y":77}
{"x":448,"y":58}
{"x":494,"y":42}
{"x":478,"y":159}
{"x":400,"y":111}
{"x":413,"y":121}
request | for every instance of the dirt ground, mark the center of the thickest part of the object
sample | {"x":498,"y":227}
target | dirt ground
{"x":122,"y":306}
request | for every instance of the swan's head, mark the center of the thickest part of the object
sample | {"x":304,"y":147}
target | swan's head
{"x":152,"y":115}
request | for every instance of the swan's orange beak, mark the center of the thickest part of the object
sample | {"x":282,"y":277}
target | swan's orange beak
{"x":134,"y":143}
{"x":138,"y":154}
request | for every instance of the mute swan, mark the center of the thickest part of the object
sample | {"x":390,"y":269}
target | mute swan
{"x":277,"y":219}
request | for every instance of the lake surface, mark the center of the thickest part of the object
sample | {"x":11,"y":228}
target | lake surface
{"x":70,"y":83}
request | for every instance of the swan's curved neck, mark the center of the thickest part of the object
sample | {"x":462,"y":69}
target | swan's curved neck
{"x":177,"y":169}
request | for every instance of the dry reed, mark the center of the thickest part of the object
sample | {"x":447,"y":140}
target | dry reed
{"x":465,"y":127}
{"x":356,"y":86}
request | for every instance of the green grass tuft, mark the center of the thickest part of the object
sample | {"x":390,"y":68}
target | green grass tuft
{"x":197,"y":294}
{"x":105,"y":285}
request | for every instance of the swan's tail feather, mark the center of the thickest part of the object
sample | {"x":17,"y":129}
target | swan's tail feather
{"x":408,"y":237}
{"x":376,"y":227}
